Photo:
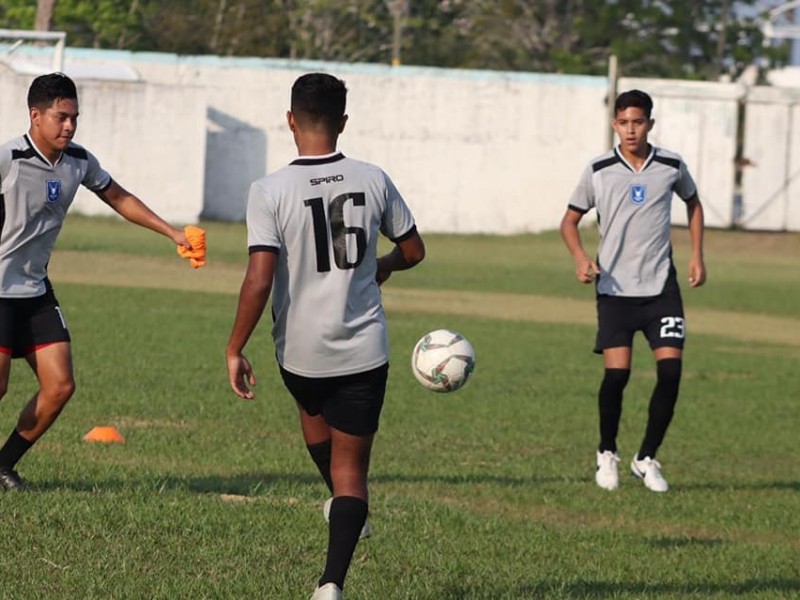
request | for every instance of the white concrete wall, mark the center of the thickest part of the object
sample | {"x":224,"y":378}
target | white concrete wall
{"x":14,"y":119}
{"x":480,"y":154}
{"x":698,"y":120}
{"x":771,"y":185}
{"x":147,"y":136}
{"x":471,"y":151}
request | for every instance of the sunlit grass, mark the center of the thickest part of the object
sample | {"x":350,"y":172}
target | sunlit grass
{"x":487,"y":493}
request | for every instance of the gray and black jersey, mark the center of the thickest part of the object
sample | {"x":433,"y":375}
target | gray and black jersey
{"x":634,"y":214}
{"x":34,"y":198}
{"x":322,"y":215}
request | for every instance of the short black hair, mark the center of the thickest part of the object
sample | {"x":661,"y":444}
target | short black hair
{"x":635,"y":98}
{"x":47,"y":89}
{"x":320,"y":97}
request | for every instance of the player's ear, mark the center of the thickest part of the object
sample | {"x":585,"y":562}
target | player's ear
{"x":650,"y":126}
{"x":342,"y":123}
{"x":290,"y":120}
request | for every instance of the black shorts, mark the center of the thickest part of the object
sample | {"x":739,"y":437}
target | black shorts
{"x":660,"y":318}
{"x":349,"y":403}
{"x":27,"y":324}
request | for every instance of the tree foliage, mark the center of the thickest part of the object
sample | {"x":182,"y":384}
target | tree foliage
{"x":700,"y":39}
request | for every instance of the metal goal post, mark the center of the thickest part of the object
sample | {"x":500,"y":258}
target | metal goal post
{"x":12,"y":39}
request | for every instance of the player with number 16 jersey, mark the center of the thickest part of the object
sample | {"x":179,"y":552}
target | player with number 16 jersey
{"x":326,"y":304}
{"x":312,"y":234}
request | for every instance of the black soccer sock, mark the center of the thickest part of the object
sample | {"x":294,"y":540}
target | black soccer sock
{"x":14,"y":449}
{"x":662,"y":405}
{"x":321,"y":455}
{"x":347,"y":517}
{"x":610,"y":404}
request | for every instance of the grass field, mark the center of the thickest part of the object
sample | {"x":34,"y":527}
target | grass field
{"x":487,"y":493}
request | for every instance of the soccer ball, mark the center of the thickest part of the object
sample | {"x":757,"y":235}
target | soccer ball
{"x":443,"y":360}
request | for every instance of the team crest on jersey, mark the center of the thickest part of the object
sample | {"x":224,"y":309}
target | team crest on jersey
{"x":638,"y":193}
{"x":53,"y":190}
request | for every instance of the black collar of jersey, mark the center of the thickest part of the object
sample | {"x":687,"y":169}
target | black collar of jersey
{"x":318,"y":161}
{"x":32,"y":151}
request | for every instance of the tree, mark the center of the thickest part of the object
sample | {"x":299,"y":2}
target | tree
{"x":699,"y":39}
{"x":44,"y":14}
{"x":399,"y":11}
{"x":17,"y":14}
{"x":682,"y":38}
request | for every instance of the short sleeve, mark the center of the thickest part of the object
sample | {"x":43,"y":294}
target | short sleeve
{"x":5,"y":163}
{"x":96,"y":179}
{"x":685,"y":186}
{"x":262,"y":226}
{"x":8,"y":171}
{"x":397,"y":219}
{"x":583,"y":198}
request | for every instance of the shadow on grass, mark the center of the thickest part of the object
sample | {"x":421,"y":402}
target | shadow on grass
{"x":244,"y":484}
{"x":683,"y":542}
{"x":475,"y":478}
{"x":792,"y":486}
{"x":605,"y":589}
{"x":253,"y":484}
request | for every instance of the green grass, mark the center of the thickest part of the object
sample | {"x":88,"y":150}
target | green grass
{"x":487,"y":493}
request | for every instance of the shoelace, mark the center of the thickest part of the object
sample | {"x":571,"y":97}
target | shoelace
{"x":653,"y":467}
{"x":608,"y":459}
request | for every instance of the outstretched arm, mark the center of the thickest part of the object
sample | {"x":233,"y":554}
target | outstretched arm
{"x":585,"y":268}
{"x":697,"y":267}
{"x":136,"y":211}
{"x":404,"y":255}
{"x":253,"y":297}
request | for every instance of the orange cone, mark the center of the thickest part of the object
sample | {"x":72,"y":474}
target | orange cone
{"x":105,"y":435}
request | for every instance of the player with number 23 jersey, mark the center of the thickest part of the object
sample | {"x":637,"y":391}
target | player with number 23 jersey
{"x":632,"y":187}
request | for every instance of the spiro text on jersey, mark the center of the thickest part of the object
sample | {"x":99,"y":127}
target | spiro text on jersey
{"x":328,"y":179}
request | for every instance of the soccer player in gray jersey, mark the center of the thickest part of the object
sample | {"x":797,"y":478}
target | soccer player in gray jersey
{"x":313,"y":229}
{"x":39,"y":175}
{"x":631,"y":188}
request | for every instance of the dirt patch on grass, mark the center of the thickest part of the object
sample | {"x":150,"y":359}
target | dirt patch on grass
{"x":773,"y":244}
{"x":549,"y":309}
{"x":126,"y":270}
{"x":172,"y":273}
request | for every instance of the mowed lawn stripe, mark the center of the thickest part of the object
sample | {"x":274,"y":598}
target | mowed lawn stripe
{"x":127,"y":270}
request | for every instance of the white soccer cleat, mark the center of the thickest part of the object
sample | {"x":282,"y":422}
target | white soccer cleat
{"x":607,"y":474}
{"x":649,"y":471}
{"x":366,"y":530}
{"x":329,"y":591}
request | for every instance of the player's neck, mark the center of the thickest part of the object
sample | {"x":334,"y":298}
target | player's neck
{"x":635,"y":158}
{"x":313,"y":145}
